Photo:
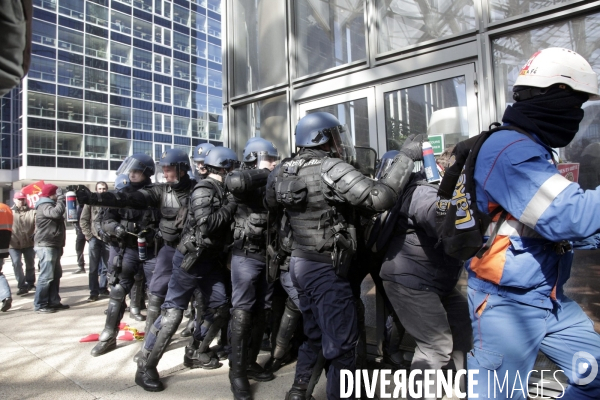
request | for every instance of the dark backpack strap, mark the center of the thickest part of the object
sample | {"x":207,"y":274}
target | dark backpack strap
{"x":492,"y":237}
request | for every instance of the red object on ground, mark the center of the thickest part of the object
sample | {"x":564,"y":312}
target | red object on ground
{"x":93,"y":337}
{"x":126,"y":335}
{"x":122,"y":325}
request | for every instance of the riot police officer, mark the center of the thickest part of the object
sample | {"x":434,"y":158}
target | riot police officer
{"x":317,"y":189}
{"x":251,"y":293}
{"x":196,"y":308}
{"x":171,"y":198}
{"x":197,"y":262}
{"x":126,"y":225}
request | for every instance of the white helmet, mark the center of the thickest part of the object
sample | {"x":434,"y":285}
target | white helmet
{"x":557,"y":65}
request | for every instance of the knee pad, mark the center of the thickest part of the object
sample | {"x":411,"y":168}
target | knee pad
{"x":118,"y":293}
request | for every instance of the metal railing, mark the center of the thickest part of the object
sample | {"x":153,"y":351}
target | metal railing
{"x":120,"y":59}
{"x":41,"y":112}
{"x":70,"y":46}
{"x":71,"y":13}
{"x":66,"y":80}
{"x":120,"y":28}
{"x":143,"y":64}
{"x":70,"y":116}
{"x":96,"y":120}
{"x":97,"y":86}
{"x":47,"y":4}
{"x":120,"y":91}
{"x":45,"y":76}
{"x":95,"y":53}
{"x":96,"y":20}
{"x":43,"y":39}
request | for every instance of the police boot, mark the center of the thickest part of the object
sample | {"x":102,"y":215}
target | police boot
{"x":238,"y":360}
{"x":297,"y":392}
{"x":136,"y":299}
{"x":154,"y":303}
{"x":361,"y":346}
{"x":195,"y":314}
{"x":255,"y":371}
{"x":114,"y":313}
{"x":197,"y":354}
{"x":146,"y":375}
{"x":289,"y":322}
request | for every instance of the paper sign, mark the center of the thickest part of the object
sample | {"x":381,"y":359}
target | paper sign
{"x":569,"y":171}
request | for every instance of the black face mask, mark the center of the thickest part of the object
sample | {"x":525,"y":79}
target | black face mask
{"x":554,"y":116}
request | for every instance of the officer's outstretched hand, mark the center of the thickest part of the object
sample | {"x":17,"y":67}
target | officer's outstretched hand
{"x":413,"y":146}
{"x":84,"y":195}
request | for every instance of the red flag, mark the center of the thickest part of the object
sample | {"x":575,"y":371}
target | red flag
{"x":33,"y":192}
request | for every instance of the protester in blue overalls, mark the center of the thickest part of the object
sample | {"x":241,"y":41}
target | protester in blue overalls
{"x":516,"y":297}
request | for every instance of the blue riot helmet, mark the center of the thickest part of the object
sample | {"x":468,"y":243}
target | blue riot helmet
{"x":121,"y":181}
{"x":198,"y":157}
{"x":220,"y":158}
{"x":318,"y":128}
{"x":174,"y":158}
{"x":260,"y":153}
{"x":137,"y":162}
{"x":385,"y":163}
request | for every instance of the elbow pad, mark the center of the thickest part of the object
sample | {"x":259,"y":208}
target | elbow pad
{"x":398,"y":175}
{"x":244,"y":180}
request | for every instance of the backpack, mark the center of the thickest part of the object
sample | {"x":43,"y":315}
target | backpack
{"x":461,"y":225}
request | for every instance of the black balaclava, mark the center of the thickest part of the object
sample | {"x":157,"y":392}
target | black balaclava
{"x":553,"y":116}
{"x":139,"y":185}
{"x":183,"y":182}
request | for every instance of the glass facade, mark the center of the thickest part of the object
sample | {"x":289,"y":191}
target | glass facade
{"x":110,"y":78}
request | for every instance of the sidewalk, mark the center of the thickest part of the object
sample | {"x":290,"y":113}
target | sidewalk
{"x":41,"y":357}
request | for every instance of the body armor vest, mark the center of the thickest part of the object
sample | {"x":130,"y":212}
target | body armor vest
{"x":250,"y":231}
{"x":173,"y":208}
{"x":310,"y":223}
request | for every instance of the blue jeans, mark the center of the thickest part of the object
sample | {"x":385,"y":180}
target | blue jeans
{"x":507,"y":336}
{"x":4,"y":288}
{"x":46,"y":293}
{"x":24,"y":281}
{"x":98,"y":253}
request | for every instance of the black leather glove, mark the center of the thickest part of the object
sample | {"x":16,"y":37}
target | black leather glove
{"x":413,"y":147}
{"x":85,"y":196}
{"x":120,"y":231}
{"x":105,"y":237}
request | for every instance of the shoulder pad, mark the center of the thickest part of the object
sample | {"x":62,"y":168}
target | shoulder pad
{"x":329,"y":163}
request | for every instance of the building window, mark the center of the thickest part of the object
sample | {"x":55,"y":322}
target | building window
{"x":142,"y":29}
{"x":215,"y":127}
{"x":214,"y":53}
{"x":120,"y":116}
{"x":265,"y":118}
{"x":96,"y":147}
{"x":199,"y":74}
{"x":215,"y":105}
{"x":142,"y":148}
{"x":41,"y":142}
{"x":162,"y":93}
{"x":198,"y":21}
{"x":96,"y":47}
{"x":69,"y":145}
{"x":96,"y":14}
{"x":181,"y":126}
{"x":181,"y":70}
{"x":142,"y":89}
{"x":214,"y":5}
{"x":214,"y":79}
{"x":44,"y":33}
{"x":162,"y":7}
{"x":199,"y":101}
{"x":142,"y":120}
{"x":199,"y":128}
{"x":96,"y":113}
{"x":43,"y":69}
{"x":162,"y":123}
{"x":408,"y":23}
{"x":328,"y":35}
{"x":503,"y":9}
{"x":71,"y":8}
{"x":199,"y":47}
{"x":181,"y":15}
{"x":181,"y":42}
{"x":142,"y":59}
{"x":257,"y":39}
{"x":69,"y":40}
{"x":96,"y":79}
{"x":145,"y":5}
{"x":214,"y":27}
{"x":181,"y":97}
{"x":120,"y":53}
{"x":47,"y":4}
{"x":119,"y":148}
{"x":120,"y":22}
{"x":120,"y":84}
{"x":41,"y":105}
{"x":70,"y":109}
{"x":162,"y":35}
{"x":162,"y":64}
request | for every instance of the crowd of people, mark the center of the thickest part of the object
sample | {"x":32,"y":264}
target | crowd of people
{"x":261,"y":244}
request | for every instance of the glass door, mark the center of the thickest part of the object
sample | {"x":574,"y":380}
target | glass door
{"x":442,"y":104}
